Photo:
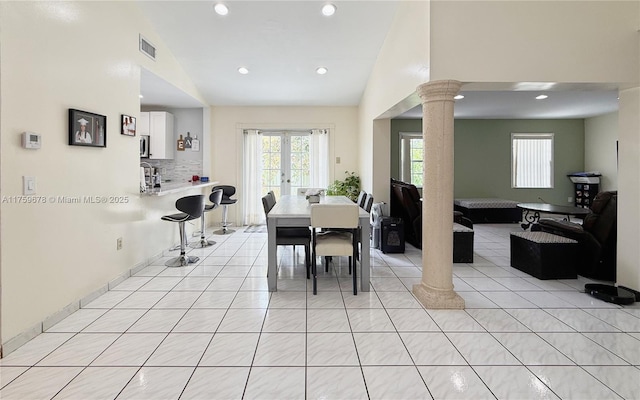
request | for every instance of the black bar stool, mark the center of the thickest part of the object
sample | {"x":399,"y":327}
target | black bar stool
{"x":215,"y":197}
{"x":191,"y":208}
{"x":227,"y":192}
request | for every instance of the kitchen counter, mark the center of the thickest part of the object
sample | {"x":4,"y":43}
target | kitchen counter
{"x":176,"y":187}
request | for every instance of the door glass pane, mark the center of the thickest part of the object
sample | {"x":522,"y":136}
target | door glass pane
{"x":295,"y":178}
{"x":276,"y":143}
{"x":280,"y":149}
{"x":271,"y":168}
{"x":275,"y":162}
{"x":299,"y":163}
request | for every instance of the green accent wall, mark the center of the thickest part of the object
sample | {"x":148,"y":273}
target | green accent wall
{"x":483,"y":156}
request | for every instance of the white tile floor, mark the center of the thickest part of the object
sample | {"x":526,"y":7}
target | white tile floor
{"x":213,"y":331}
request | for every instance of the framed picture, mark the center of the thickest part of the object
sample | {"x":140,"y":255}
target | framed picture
{"x":87,"y":129}
{"x":128,"y":125}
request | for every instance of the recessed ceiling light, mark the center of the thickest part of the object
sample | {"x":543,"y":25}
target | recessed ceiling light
{"x":458,"y":97}
{"x":321,"y":70}
{"x":541,"y":97}
{"x":243,"y":70}
{"x":328,"y":10}
{"x":221,"y":9}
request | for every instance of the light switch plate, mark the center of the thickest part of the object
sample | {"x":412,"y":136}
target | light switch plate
{"x":28,"y":185}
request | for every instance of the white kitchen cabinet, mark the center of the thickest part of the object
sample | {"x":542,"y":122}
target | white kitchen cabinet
{"x":159,"y":126}
{"x":142,"y":124}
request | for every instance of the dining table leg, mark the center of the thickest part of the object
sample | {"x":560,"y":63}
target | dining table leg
{"x":365,"y":269}
{"x":272,"y":257}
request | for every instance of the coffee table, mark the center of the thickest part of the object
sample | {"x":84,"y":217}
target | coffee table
{"x":533,"y":210}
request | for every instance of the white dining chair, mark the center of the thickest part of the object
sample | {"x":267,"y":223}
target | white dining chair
{"x":325,"y":242}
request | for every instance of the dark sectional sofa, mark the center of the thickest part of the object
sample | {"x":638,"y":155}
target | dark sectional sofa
{"x":406,"y":204}
{"x":489,"y":210}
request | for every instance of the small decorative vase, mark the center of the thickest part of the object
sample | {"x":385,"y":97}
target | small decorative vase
{"x":314,"y":198}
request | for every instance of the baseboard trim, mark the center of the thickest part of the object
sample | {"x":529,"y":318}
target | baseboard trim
{"x":19,"y":340}
{"x":60,"y":315}
{"x":22,"y":338}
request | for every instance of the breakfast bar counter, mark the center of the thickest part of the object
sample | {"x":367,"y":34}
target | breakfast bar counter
{"x":176,"y":187}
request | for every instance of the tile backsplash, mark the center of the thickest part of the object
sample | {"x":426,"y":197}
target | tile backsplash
{"x":177,"y":172}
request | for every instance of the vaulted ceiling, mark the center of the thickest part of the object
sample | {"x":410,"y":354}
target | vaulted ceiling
{"x":282,"y":43}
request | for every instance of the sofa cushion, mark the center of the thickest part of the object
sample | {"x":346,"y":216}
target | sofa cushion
{"x":565,"y":226}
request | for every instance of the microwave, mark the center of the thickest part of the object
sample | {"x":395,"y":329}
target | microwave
{"x":144,"y":146}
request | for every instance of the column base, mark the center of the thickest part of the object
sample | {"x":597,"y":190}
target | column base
{"x":438,"y":299}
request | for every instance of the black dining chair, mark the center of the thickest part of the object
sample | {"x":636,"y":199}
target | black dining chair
{"x":362,"y":196}
{"x":367,"y":203}
{"x":290,"y":236}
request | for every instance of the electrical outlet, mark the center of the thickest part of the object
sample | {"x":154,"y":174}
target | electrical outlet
{"x":119,"y":243}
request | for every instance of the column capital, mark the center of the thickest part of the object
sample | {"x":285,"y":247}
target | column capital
{"x":438,"y":90}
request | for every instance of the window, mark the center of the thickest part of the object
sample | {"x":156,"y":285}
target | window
{"x":412,"y":157}
{"x":532,"y":160}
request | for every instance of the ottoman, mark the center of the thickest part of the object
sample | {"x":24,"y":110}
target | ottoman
{"x":544,"y":255}
{"x":462,"y":244}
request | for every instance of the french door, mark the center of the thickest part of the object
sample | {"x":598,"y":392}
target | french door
{"x":285,"y":162}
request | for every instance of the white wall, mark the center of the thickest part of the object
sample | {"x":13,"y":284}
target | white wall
{"x":629,"y":190}
{"x":535,"y":41}
{"x":600,"y":153}
{"x":227,"y":124}
{"x":402,"y":65}
{"x":56,"y":56}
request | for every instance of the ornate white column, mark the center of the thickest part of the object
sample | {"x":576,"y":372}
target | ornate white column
{"x":436,"y":289}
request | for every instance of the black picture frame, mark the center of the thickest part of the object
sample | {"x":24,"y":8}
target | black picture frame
{"x":94,"y":133}
{"x":128,"y":124}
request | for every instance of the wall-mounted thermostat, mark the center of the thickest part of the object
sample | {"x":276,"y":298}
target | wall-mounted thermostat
{"x":31,"y":140}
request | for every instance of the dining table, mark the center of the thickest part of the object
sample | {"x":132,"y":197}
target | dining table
{"x":295,"y":210}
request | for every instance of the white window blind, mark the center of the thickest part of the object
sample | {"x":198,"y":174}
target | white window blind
{"x":532,"y":160}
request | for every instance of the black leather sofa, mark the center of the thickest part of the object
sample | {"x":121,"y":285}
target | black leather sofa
{"x":597,"y":236}
{"x":406,"y":204}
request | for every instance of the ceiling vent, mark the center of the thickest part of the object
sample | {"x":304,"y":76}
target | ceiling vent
{"x":147,"y":48}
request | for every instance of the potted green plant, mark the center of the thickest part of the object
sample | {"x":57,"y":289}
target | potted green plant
{"x":349,"y":187}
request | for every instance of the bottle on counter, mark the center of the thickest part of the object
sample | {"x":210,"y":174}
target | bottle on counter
{"x":156,"y":180}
